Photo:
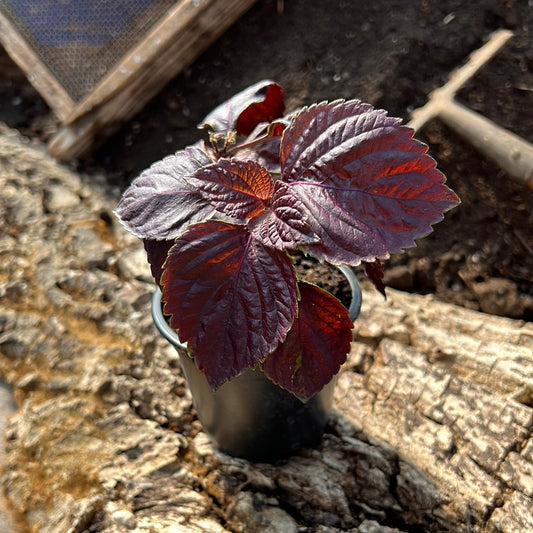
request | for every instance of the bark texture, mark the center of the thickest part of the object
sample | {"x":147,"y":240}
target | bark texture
{"x":432,"y":423}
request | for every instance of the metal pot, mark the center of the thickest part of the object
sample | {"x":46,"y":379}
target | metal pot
{"x":250,"y":416}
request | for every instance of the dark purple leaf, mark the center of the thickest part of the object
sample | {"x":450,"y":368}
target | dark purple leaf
{"x":284,"y":225}
{"x":262,"y":102}
{"x":374,"y":271}
{"x":239,"y":189}
{"x":315,"y":347}
{"x":160,"y":203}
{"x":231,"y":299}
{"x":369,"y":189}
{"x":156,"y":252}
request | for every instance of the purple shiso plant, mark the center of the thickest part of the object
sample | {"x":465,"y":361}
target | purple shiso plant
{"x":222,"y":220}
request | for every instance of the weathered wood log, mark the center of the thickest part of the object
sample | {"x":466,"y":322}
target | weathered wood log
{"x":450,"y":389}
{"x":431,"y":429}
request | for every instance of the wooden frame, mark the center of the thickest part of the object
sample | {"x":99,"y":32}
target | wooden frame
{"x":180,"y":36}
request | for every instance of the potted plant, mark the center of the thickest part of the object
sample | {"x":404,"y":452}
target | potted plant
{"x":222,"y":221}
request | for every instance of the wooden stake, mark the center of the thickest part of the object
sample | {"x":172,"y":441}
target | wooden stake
{"x":509,"y":151}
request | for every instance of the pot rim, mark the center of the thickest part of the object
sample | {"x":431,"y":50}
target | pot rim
{"x":171,"y":336}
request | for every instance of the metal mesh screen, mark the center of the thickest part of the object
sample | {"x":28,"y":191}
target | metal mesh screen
{"x":80,"y":41}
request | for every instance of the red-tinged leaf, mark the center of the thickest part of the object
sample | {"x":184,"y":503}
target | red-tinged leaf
{"x":283,"y":226}
{"x":276,"y":129}
{"x":239,"y":189}
{"x":374,"y":271}
{"x":369,"y":189}
{"x":315,"y":347}
{"x":160,"y":203}
{"x":267,"y":110}
{"x":231,"y":299}
{"x":262,"y":102}
{"x":156,"y":252}
{"x":321,"y":128}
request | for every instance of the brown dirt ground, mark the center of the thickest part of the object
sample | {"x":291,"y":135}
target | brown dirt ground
{"x":392,"y":54}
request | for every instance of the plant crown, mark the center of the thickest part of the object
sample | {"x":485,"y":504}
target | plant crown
{"x":221,"y":221}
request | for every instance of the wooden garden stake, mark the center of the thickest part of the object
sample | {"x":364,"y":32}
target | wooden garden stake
{"x":511,"y":152}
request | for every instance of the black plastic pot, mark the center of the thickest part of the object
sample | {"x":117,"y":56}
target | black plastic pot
{"x":250,"y":416}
